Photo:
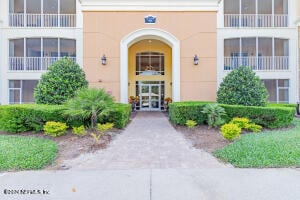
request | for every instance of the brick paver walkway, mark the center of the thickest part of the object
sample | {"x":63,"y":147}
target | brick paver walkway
{"x":149,"y":141}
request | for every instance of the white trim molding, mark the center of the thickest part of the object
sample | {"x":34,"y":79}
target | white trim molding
{"x":154,"y":5}
{"x":149,"y":33}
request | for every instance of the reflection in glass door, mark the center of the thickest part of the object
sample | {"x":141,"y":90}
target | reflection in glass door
{"x":150,"y":97}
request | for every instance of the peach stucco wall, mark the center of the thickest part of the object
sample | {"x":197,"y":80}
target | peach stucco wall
{"x":196,"y":32}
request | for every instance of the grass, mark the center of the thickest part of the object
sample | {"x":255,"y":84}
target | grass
{"x":20,"y":153}
{"x":267,"y":149}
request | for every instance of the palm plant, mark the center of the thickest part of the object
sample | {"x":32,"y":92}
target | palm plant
{"x":214,"y":114}
{"x":88,"y":104}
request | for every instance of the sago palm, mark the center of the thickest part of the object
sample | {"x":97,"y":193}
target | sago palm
{"x":88,"y":103}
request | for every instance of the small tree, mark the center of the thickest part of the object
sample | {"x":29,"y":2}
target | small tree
{"x":242,"y":87}
{"x":88,"y":104}
{"x":60,"y":82}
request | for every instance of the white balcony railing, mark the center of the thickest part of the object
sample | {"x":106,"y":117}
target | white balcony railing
{"x":261,"y":63}
{"x":255,"y":20}
{"x":42,"y":20}
{"x":32,"y":63}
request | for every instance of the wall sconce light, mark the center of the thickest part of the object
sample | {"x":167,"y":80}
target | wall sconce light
{"x":196,"y":60}
{"x":103,"y":59}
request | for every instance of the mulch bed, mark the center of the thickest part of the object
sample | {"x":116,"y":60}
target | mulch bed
{"x":203,"y":137}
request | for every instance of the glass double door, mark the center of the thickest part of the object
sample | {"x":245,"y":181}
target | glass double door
{"x":150,"y":96}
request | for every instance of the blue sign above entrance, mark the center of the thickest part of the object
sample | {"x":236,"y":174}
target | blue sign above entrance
{"x":150,"y":19}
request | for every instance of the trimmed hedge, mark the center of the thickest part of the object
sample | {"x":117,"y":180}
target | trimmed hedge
{"x":28,"y":117}
{"x":32,"y":117}
{"x":119,"y":115}
{"x":269,"y":117}
{"x":180,"y":112}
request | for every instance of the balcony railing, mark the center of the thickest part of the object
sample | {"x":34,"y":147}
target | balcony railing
{"x":42,"y":20}
{"x":32,"y":63}
{"x":255,"y":20}
{"x":261,"y":63}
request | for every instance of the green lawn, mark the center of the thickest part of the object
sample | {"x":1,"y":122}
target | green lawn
{"x":266,"y":149}
{"x":21,"y":152}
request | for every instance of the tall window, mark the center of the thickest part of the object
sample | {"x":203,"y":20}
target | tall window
{"x":150,"y":63}
{"x":21,"y":91}
{"x":255,"y":13}
{"x":278,"y":90}
{"x":260,"y":53}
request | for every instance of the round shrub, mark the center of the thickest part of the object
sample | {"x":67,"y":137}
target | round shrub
{"x":240,"y":122}
{"x":230,"y":131}
{"x":60,"y":82}
{"x":190,"y":123}
{"x":254,"y":128}
{"x":55,"y":129}
{"x":242,"y":87}
{"x":79,"y":131}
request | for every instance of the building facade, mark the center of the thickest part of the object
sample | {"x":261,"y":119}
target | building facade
{"x":153,"y":50}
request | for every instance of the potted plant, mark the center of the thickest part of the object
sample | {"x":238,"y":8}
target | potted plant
{"x":168,"y":100}
{"x":133,"y":100}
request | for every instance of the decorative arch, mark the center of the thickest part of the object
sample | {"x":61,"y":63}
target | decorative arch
{"x":149,"y":33}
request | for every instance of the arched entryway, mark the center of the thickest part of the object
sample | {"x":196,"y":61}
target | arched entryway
{"x":150,"y":73}
{"x":128,"y":57}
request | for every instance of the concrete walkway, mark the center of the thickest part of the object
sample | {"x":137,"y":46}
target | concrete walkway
{"x":149,"y":142}
{"x":159,"y":184}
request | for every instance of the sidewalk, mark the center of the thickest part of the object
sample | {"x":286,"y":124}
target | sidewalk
{"x":159,"y":184}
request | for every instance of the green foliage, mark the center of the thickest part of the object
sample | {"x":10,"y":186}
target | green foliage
{"x":102,"y":128}
{"x":60,"y":82}
{"x":118,"y":114}
{"x":254,"y":127}
{"x":214,"y":114}
{"x":230,"y":131}
{"x":24,"y":153}
{"x":240,"y":122}
{"x":28,"y":117}
{"x":242,"y":87}
{"x":79,"y":131}
{"x":190,"y":123}
{"x":279,"y":148}
{"x":55,"y":129}
{"x":180,"y":112}
{"x":88,"y":104}
{"x":269,"y":117}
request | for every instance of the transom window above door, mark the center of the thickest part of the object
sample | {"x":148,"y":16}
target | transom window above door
{"x":150,"y":63}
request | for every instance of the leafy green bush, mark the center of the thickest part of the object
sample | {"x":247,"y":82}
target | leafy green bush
{"x":254,"y":128}
{"x":230,"y":131}
{"x":55,"y":129}
{"x":118,"y":113}
{"x":102,"y":128}
{"x":242,"y":87}
{"x":28,"y":117}
{"x":190,"y":123}
{"x":214,"y":114}
{"x":240,"y":122}
{"x":87,"y":104}
{"x":180,"y":112}
{"x":80,"y":130}
{"x":60,"y":82}
{"x":269,"y":117}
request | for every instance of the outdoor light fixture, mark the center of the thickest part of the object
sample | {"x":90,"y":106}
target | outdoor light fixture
{"x":103,"y":59}
{"x":196,"y":60}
